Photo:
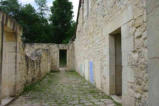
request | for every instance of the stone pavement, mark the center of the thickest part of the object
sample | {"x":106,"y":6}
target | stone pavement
{"x":63,"y":89}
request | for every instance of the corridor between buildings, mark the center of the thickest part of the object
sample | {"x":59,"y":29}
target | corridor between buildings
{"x":63,"y":89}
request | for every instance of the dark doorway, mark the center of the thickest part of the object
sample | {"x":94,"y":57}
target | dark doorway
{"x":63,"y":58}
{"x":118,"y":65}
{"x":116,"y":61}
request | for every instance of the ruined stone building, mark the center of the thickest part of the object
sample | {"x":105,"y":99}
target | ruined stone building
{"x":115,"y":48}
{"x":23,"y":64}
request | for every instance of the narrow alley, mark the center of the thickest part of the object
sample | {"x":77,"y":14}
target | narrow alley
{"x":63,"y":89}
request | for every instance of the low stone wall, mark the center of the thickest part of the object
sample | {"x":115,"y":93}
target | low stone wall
{"x":33,"y":66}
{"x":37,"y":64}
{"x":53,"y":50}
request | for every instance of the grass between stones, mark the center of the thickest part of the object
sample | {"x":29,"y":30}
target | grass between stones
{"x":37,"y":86}
{"x":65,"y":88}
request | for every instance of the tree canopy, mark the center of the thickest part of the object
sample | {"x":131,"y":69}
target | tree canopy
{"x":61,"y":20}
{"x":38,"y":28}
{"x":11,"y":7}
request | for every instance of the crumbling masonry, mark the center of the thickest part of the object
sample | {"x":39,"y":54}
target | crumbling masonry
{"x":115,"y":48}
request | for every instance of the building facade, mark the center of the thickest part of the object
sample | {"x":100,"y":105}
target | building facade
{"x":116,"y":48}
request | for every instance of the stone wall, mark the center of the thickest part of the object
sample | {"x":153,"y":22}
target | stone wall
{"x":19,"y":67}
{"x":33,"y":66}
{"x":34,"y":61}
{"x":54,"y":54}
{"x":94,"y":58}
{"x":37,"y":64}
{"x":10,"y":53}
{"x":153,"y":51}
{"x":93,"y":53}
{"x":23,"y":64}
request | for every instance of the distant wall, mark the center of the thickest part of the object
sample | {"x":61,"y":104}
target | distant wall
{"x":54,"y":53}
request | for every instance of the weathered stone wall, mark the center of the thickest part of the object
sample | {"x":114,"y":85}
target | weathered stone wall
{"x":37,"y":64}
{"x":19,"y":67}
{"x":93,"y":46}
{"x":24,"y":64}
{"x":10,"y":43}
{"x":34,"y":61}
{"x":33,"y":66}
{"x":54,"y":53}
{"x":153,"y":51}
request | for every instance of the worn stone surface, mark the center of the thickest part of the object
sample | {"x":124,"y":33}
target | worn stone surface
{"x":11,"y":33}
{"x":63,"y":89}
{"x":153,"y":51}
{"x":37,"y":65}
{"x":98,"y":19}
{"x":54,"y":53}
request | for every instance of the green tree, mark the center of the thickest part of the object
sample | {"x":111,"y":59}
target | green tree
{"x":70,"y":33}
{"x":37,"y":29}
{"x":30,"y":23}
{"x":61,"y":20}
{"x":10,"y":7}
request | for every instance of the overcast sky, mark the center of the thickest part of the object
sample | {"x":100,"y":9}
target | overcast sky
{"x":49,"y":3}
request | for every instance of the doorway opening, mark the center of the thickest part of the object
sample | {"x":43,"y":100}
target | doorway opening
{"x":63,"y":58}
{"x":116,"y":62}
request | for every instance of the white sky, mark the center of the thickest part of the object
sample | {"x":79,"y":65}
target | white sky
{"x":49,"y":3}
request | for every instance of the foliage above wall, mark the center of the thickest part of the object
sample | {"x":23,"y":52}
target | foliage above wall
{"x":37,"y":26}
{"x":61,"y":19}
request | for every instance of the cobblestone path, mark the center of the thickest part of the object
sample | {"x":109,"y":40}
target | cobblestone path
{"x":63,"y":89}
